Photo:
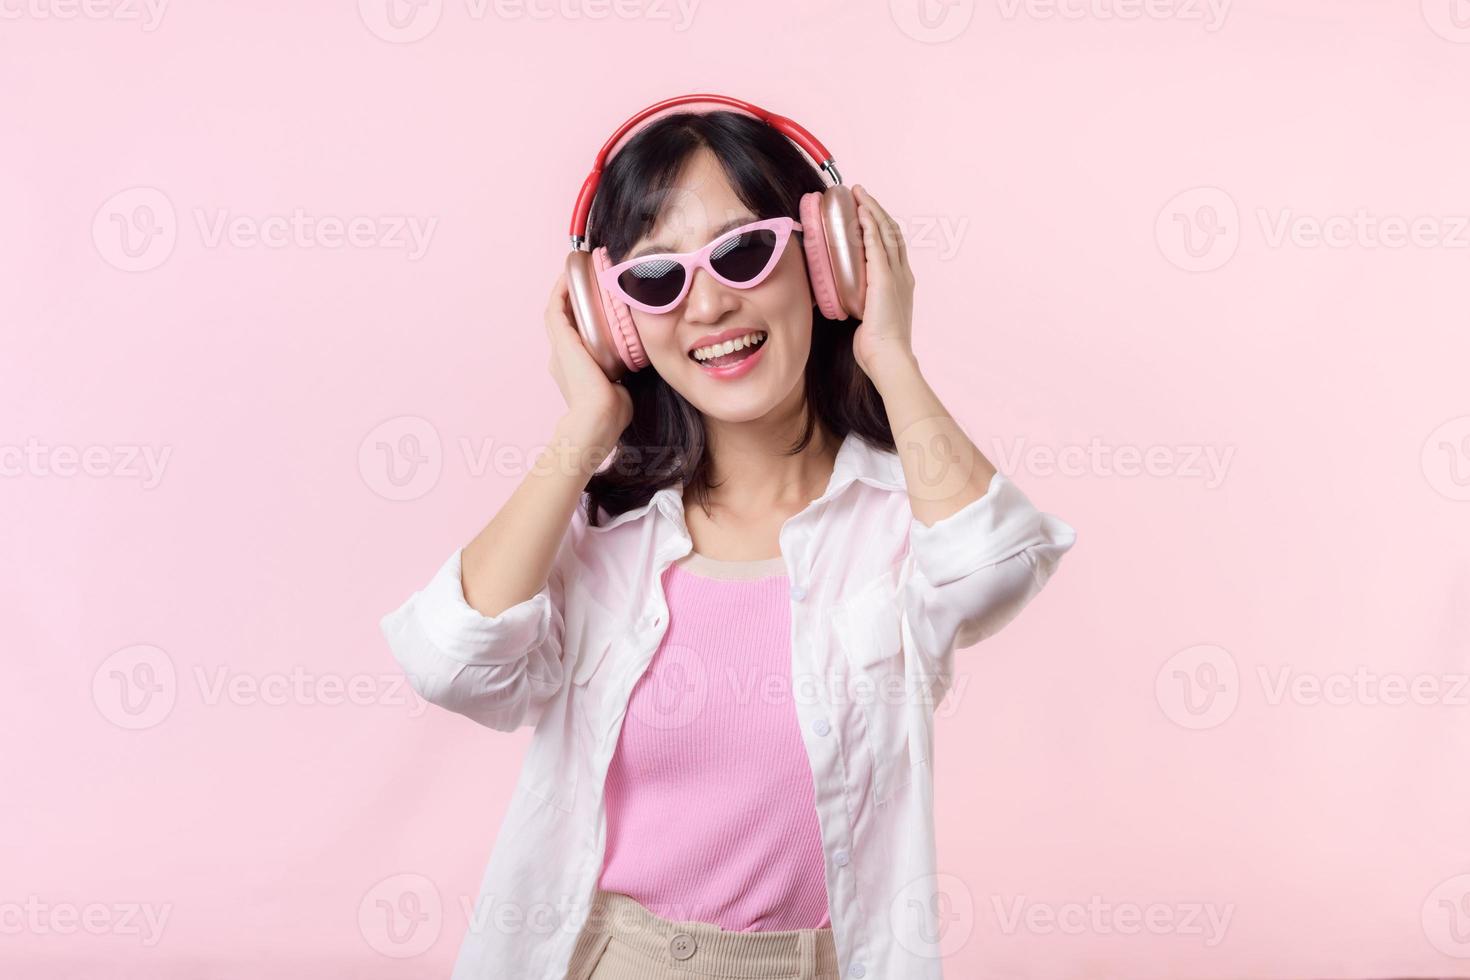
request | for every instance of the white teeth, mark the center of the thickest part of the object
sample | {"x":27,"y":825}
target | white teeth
{"x":728,"y":347}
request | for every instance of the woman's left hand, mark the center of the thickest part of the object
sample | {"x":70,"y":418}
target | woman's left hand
{"x":883,"y":343}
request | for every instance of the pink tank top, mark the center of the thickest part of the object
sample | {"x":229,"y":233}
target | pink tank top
{"x":711,"y":815}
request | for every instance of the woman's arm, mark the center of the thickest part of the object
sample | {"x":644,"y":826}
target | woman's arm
{"x":510,"y":558}
{"x":943,"y":469}
{"x":484,"y":637}
{"x":978,"y":549}
{"x":508,"y":561}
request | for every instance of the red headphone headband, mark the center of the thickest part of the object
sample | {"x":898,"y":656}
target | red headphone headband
{"x":789,"y":128}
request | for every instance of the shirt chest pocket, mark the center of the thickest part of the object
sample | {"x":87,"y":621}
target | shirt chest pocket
{"x":559,"y":749}
{"x":869,"y":631}
{"x":565,"y":735}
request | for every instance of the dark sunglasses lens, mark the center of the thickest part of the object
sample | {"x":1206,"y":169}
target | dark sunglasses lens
{"x":745,"y":256}
{"x":656,"y":282}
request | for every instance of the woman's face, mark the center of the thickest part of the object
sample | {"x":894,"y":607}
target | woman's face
{"x":699,"y":207}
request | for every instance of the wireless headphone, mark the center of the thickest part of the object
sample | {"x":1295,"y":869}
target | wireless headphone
{"x":831,"y":240}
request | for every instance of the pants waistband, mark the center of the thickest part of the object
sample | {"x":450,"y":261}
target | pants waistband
{"x":703,"y":947}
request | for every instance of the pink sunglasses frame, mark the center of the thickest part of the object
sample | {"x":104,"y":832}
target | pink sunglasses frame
{"x":700,"y":259}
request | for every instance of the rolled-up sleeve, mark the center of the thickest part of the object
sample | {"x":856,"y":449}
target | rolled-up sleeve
{"x":462,"y":633}
{"x":971,"y":573}
{"x":496,"y":670}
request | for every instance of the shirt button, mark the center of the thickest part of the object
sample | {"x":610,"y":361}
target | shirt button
{"x":821,"y":727}
{"x":858,"y":970}
{"x":681,"y":946}
{"x":840,"y":859}
{"x":658,"y":619}
{"x":798,"y":593}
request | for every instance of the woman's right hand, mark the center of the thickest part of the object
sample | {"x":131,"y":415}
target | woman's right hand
{"x":591,"y":398}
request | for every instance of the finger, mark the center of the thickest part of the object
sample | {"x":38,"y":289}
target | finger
{"x":880,"y":223}
{"x":563,"y":316}
{"x":873,"y":246}
{"x":892,"y":233}
{"x":900,"y":247}
{"x":557,"y":300}
{"x":556,"y":311}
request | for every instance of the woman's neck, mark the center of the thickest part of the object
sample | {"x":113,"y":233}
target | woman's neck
{"x":742,"y":518}
{"x":751,"y":469}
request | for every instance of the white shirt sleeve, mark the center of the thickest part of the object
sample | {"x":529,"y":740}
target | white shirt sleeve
{"x":971,"y":573}
{"x":496,"y":670}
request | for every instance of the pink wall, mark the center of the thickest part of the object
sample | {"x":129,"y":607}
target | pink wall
{"x":1164,"y":229}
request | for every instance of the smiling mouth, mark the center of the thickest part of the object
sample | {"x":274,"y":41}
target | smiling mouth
{"x":731,"y":351}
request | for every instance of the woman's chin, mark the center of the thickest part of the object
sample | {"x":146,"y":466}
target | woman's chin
{"x":749,"y":404}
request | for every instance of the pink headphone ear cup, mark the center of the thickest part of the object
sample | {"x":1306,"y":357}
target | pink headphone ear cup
{"x":619,"y":318}
{"x":818,"y":259}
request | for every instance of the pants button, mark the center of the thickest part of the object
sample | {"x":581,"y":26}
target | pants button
{"x":682,"y":946}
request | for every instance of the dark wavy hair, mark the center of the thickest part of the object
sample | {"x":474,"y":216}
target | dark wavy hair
{"x":666,"y":440}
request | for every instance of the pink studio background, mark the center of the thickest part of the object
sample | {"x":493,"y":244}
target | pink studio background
{"x":203,"y":722}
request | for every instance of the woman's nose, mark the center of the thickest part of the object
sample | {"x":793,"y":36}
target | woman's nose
{"x":708,"y":299}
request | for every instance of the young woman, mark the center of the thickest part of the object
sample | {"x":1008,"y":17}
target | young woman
{"x":732,"y":638}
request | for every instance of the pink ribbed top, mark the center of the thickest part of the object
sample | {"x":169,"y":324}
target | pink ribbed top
{"x":711,"y":815}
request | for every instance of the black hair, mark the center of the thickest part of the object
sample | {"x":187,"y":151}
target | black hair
{"x":666,"y":440}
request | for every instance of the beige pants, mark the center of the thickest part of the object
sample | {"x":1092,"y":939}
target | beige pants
{"x":623,"y":940}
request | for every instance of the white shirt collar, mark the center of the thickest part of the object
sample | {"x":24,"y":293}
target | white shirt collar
{"x":856,"y":460}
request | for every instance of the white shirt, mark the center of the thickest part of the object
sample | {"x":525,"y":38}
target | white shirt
{"x":879,"y":603}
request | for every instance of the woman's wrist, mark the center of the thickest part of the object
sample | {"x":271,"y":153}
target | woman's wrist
{"x":586,"y":430}
{"x":899,"y":371}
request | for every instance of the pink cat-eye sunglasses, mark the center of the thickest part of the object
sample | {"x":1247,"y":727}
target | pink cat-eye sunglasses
{"x":742,"y":257}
